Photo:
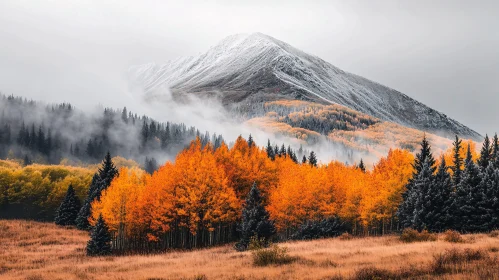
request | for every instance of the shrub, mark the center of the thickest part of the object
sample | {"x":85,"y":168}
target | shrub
{"x":330,"y":227}
{"x":257,"y":243}
{"x":346,"y":236}
{"x":412,"y":235}
{"x":453,"y":236}
{"x":272,"y":256}
{"x":494,"y":233}
{"x":372,"y":273}
{"x":441,"y":262}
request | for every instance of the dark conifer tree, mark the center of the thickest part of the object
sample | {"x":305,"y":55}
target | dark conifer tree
{"x":421,"y":189}
{"x":457,"y":161}
{"x":151,"y":165}
{"x":361,"y":166}
{"x":495,"y":151}
{"x":405,"y":213}
{"x":68,"y":210}
{"x":85,"y":211}
{"x":282,"y":151}
{"x":464,"y":204}
{"x":124,"y":115}
{"x":107,"y":172}
{"x":485,"y":154}
{"x":276,"y":151}
{"x":100,"y":239}
{"x":486,"y":196}
{"x":304,"y":159}
{"x":270,"y":151}
{"x":100,"y":182}
{"x":437,"y":201}
{"x":255,"y":220}
{"x":250,"y":141}
{"x":312,"y":159}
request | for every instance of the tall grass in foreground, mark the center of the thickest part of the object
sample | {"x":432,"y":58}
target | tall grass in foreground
{"x":31,"y":250}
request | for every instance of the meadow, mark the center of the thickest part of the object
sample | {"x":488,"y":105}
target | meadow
{"x":35,"y":251}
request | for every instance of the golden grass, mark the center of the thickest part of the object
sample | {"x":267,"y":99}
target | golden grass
{"x":32,"y":250}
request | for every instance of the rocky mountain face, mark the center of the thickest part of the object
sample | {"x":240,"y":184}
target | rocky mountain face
{"x":244,"y":70}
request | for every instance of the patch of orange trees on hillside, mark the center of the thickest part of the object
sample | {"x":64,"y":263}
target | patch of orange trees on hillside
{"x":204,"y":189}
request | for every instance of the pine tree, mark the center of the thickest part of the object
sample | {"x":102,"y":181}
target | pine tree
{"x":100,"y":239}
{"x":251,"y":143}
{"x":361,"y":166}
{"x":124,"y":115}
{"x":495,"y":151}
{"x":270,"y":151}
{"x":464,"y":204}
{"x":312,"y":159}
{"x":437,"y":200}
{"x":457,"y":161}
{"x":405,"y":212}
{"x":101,"y":181}
{"x":486,"y":197}
{"x":85,"y":211}
{"x":68,"y":210}
{"x":107,"y":172}
{"x":282,"y":151}
{"x":151,"y":165}
{"x":422,"y":204}
{"x":304,"y":159}
{"x":255,"y":220}
{"x":485,"y":154}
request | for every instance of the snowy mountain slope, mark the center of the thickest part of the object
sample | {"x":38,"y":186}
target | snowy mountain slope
{"x":255,"y":67}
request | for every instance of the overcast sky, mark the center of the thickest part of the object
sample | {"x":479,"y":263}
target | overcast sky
{"x":442,"y":53}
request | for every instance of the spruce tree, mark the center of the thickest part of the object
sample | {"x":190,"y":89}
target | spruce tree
{"x":304,"y":159}
{"x":422,"y":205}
{"x":457,"y":161}
{"x":100,"y":239}
{"x":362,"y":167}
{"x":485,"y":154}
{"x":270,"y":151}
{"x":495,"y":151}
{"x":437,"y":200}
{"x":463,"y":206}
{"x":255,"y":220}
{"x":405,"y":212}
{"x":486,"y":214}
{"x":250,"y":141}
{"x":85,"y":211}
{"x":100,"y":182}
{"x":68,"y":210}
{"x":107,"y":172}
{"x":312,"y":159}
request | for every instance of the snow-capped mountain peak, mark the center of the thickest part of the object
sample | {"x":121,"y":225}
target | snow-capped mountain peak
{"x":256,"y":68}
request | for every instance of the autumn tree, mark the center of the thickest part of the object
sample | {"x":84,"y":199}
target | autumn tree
{"x":255,"y":220}
{"x":68,"y":211}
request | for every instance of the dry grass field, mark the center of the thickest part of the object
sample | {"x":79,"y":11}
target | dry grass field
{"x":35,"y":251}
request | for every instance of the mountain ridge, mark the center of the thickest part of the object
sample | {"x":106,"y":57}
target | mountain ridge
{"x":246,"y":68}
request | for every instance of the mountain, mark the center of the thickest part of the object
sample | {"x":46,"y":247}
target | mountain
{"x":254,"y":68}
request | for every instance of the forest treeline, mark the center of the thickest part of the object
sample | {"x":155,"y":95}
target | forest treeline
{"x":198,"y":200}
{"x":50,"y":133}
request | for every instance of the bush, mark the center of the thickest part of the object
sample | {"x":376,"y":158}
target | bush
{"x":330,"y":227}
{"x":346,"y":236}
{"x":372,"y":273}
{"x":272,"y":256}
{"x":411,"y":235}
{"x":257,"y":243}
{"x":453,"y":236}
{"x":494,"y":233}
{"x":441,"y":262}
